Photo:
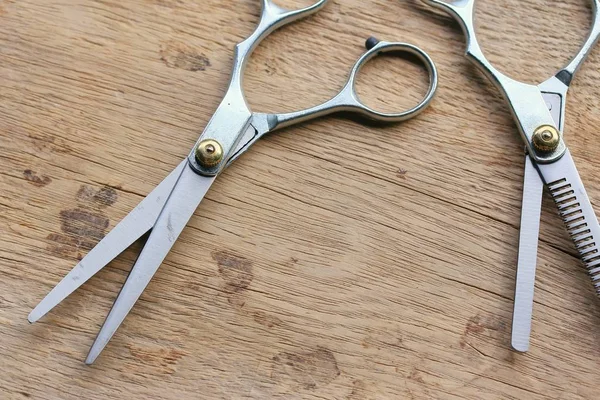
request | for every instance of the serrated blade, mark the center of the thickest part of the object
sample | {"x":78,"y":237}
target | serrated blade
{"x":575,"y":208}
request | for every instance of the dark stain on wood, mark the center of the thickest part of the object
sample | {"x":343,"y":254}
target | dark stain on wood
{"x":180,"y":55}
{"x":84,"y":226}
{"x":84,"y":223}
{"x":164,"y":358}
{"x":65,"y":246}
{"x":235,"y":270}
{"x":416,"y":376}
{"x":265,"y":319}
{"x":103,"y":197}
{"x":35,"y":179}
{"x":308,"y":370}
{"x":478,"y":325}
{"x":48,"y":143}
{"x":82,"y":229}
{"x":237,"y":299}
{"x":359,"y":390}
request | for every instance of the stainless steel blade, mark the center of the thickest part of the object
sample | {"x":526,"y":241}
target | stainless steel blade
{"x":183,"y":201}
{"x":575,"y":208}
{"x":139,"y":221}
{"x":531,"y":210}
{"x":533,"y":189}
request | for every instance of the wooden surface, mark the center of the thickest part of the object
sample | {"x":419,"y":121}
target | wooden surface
{"x":335,"y":260}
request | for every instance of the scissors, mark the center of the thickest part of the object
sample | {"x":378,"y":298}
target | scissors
{"x":230,"y":132}
{"x":539,"y":112}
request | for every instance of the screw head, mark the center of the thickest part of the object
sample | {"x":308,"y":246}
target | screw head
{"x":209,"y":153}
{"x":546,"y":138}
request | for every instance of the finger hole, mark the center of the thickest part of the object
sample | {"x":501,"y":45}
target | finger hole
{"x":393,"y":82}
{"x":529,"y":41}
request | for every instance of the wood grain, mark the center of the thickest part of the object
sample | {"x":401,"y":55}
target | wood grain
{"x":335,"y":260}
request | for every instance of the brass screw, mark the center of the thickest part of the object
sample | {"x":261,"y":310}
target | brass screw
{"x":209,"y":153}
{"x":546,"y":138}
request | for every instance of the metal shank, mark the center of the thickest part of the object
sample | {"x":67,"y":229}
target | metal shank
{"x":232,"y":117}
{"x":526,"y":102}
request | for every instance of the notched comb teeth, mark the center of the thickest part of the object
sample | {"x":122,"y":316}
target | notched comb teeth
{"x":572,"y":214}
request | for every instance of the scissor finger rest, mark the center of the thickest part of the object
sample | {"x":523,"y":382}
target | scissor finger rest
{"x":271,"y":18}
{"x":585,"y":50}
{"x":378,"y":48}
{"x":348,"y":100}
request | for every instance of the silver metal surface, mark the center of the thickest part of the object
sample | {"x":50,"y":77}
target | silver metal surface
{"x":168,"y":208}
{"x":533,"y":107}
{"x":139,"y":221}
{"x":525,"y":100}
{"x":575,"y":208}
{"x":531,"y":209}
{"x":347,"y":99}
{"x":183,"y":201}
{"x":232,"y":117}
{"x":526,"y":265}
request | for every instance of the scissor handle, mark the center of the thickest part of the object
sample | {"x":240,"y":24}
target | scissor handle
{"x":348,"y":100}
{"x":464,"y":12}
{"x":566,"y":74}
{"x":526,"y":101}
{"x":272,"y":17}
{"x":231,"y":120}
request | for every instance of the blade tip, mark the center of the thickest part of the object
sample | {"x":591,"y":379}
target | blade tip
{"x":90,"y":360}
{"x":92,"y":355}
{"x":96,"y":349}
{"x":33,"y":316}
{"x":520,"y":347}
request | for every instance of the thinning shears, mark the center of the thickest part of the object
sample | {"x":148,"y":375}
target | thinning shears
{"x":539,"y":112}
{"x":230,"y":132}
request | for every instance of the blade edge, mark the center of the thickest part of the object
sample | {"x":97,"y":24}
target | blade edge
{"x":181,"y":205}
{"x":531,"y":210}
{"x":139,"y":221}
{"x":575,"y":208}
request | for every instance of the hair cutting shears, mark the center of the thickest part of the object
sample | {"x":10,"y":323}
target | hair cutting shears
{"x":230,"y":132}
{"x":539,"y":112}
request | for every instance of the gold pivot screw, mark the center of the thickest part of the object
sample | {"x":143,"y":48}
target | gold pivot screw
{"x":209,"y":153}
{"x":546,"y":138}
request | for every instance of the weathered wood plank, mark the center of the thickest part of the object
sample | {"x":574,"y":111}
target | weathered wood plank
{"x":335,"y":260}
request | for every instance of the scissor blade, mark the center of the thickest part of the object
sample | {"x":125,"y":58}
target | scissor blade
{"x":576,"y":210}
{"x":185,"y":198}
{"x":553,"y":92}
{"x":533,"y":189}
{"x":139,"y":221}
